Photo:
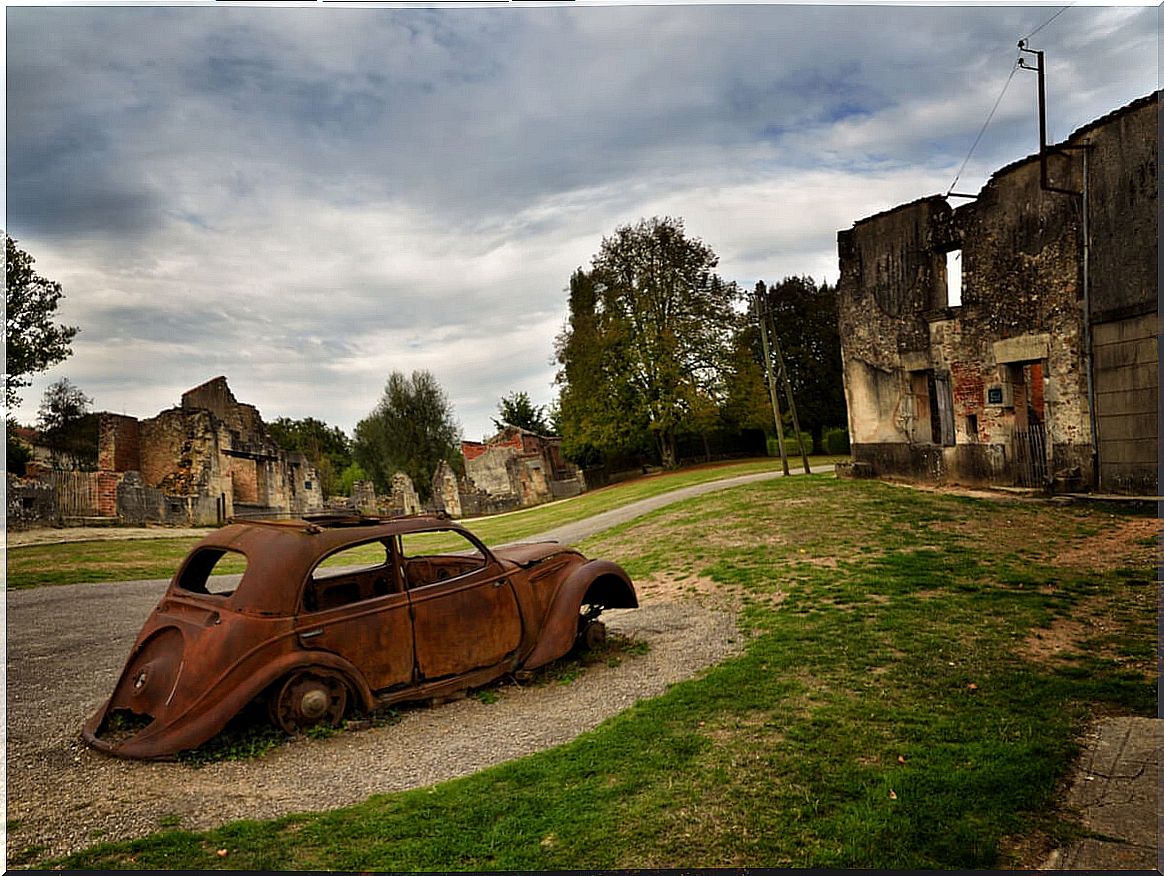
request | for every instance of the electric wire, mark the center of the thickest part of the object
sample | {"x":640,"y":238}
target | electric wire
{"x":1006,"y":85}
{"x":1045,"y":23}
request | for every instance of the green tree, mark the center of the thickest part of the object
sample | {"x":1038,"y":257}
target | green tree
{"x":32,"y":341}
{"x":411,"y":430}
{"x":805,"y":318}
{"x":348,"y":478}
{"x":327,"y":447}
{"x":598,"y":416}
{"x":649,"y":334}
{"x":746,"y":404}
{"x":19,"y":452}
{"x":67,"y":428}
{"x":516,"y":409}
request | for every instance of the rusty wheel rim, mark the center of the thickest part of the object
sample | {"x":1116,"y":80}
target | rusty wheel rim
{"x":594,"y":634}
{"x":309,"y":699}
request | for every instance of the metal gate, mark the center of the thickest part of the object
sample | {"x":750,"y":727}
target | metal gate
{"x":1030,"y":456}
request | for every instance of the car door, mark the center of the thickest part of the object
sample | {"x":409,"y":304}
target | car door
{"x":465,"y":613}
{"x":355,"y":606}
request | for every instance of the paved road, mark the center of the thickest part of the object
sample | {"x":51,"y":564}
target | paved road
{"x":575,"y":532}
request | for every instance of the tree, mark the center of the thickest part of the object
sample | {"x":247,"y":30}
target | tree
{"x":516,"y":409}
{"x":327,"y":447}
{"x":411,"y":430}
{"x":67,"y":428}
{"x":805,"y":318}
{"x":19,"y":452}
{"x":649,"y":334}
{"x":33,"y":342}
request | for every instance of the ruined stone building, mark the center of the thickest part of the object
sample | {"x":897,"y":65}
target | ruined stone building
{"x":201,"y":463}
{"x":1045,"y":372}
{"x":520,"y":468}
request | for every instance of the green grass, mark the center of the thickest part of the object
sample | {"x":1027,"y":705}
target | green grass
{"x":889,"y":710}
{"x":125,"y":560}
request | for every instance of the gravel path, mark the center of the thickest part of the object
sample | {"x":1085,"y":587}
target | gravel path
{"x":66,"y":645}
{"x":66,"y":796}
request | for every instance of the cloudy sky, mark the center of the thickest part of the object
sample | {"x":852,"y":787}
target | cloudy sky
{"x":306,"y":199}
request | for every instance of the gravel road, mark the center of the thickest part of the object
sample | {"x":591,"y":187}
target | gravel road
{"x":66,"y":645}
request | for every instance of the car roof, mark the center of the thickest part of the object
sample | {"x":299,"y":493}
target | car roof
{"x":280,"y":552}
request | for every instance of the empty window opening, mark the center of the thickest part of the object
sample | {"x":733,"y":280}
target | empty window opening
{"x":212,"y":572}
{"x":972,"y":427}
{"x":954,"y":278}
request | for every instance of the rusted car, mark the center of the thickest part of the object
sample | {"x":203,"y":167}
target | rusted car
{"x":337,"y":613}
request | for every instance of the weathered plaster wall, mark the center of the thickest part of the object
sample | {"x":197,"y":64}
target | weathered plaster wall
{"x":1021,"y":321}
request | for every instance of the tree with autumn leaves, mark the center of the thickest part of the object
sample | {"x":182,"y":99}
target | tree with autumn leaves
{"x":647,"y":340}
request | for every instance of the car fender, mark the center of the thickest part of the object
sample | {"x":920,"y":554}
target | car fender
{"x":209,"y":714}
{"x":594,"y":582}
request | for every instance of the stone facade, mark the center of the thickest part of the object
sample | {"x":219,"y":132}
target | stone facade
{"x":997,"y":388}
{"x":201,"y":463}
{"x":403,"y":498}
{"x":521,"y":468}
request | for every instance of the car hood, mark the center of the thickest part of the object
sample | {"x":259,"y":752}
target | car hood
{"x":531,"y":553}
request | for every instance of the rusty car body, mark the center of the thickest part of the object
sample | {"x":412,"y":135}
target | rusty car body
{"x":344,"y":612}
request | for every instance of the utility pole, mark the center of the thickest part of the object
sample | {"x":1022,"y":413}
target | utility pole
{"x":760,"y":311}
{"x":788,"y":393}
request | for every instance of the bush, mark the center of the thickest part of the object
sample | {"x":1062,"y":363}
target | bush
{"x":790,"y":444}
{"x":836,"y":441}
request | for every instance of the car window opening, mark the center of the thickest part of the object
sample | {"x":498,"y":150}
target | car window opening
{"x":212,"y":572}
{"x":426,"y":560}
{"x":354,"y":574}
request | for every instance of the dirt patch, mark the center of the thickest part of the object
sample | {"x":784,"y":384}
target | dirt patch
{"x":673,"y":586}
{"x":1128,"y":541}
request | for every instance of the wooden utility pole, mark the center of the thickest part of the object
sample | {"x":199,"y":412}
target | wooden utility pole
{"x":760,"y":312}
{"x":791,"y":401}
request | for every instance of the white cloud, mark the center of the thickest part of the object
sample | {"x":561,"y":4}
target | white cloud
{"x":307,"y":199}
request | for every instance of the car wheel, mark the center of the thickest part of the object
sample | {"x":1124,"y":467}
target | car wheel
{"x":308,"y":699}
{"x":592,"y":634}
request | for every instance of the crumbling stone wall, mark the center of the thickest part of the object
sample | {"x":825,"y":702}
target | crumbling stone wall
{"x":403,"y":498}
{"x":201,"y":463}
{"x":446,"y":490}
{"x":928,"y":385}
{"x":520,"y":468}
{"x":364,"y":497}
{"x":30,"y":503}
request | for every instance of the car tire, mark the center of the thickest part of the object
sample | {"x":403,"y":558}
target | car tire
{"x":308,"y":698}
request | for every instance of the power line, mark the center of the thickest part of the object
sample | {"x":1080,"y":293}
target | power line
{"x":993,"y":109}
{"x":1048,"y":21}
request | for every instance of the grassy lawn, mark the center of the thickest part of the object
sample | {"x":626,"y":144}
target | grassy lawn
{"x":917,"y":671}
{"x":84,"y":562}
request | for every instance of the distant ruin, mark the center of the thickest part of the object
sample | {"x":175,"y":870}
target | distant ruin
{"x":198,"y":464}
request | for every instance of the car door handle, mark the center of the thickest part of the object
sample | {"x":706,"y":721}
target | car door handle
{"x":311,"y":634}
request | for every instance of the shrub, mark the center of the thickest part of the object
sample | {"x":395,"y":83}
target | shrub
{"x":790,"y":444}
{"x":836,"y":441}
